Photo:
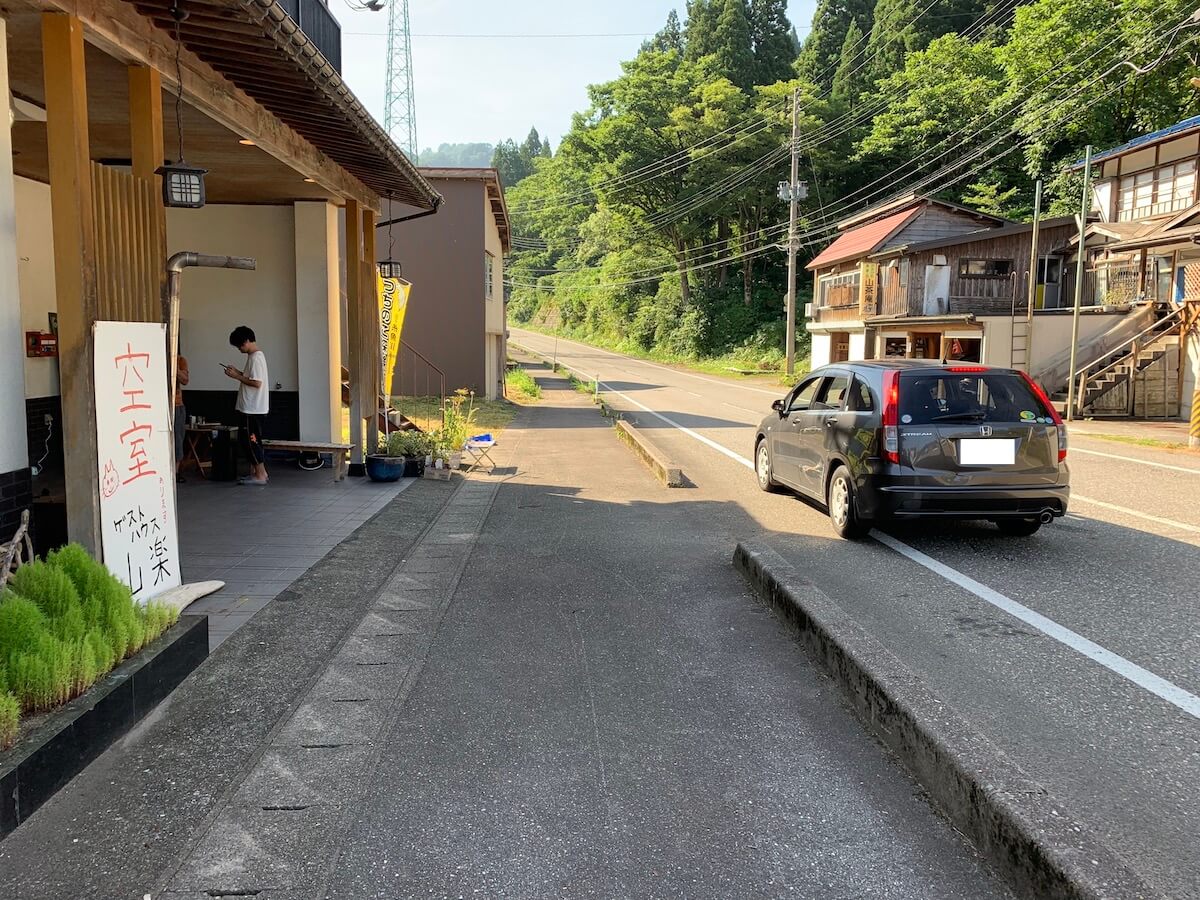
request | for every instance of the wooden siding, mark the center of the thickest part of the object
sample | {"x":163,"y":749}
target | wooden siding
{"x":983,"y":296}
{"x":130,"y":251}
{"x":934,"y":223}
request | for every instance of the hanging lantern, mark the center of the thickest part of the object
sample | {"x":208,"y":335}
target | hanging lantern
{"x":391,"y":268}
{"x":183,"y":185}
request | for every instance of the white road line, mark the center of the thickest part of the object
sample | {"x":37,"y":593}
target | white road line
{"x":693,"y":434}
{"x":1143,"y":678}
{"x":1170,"y":523}
{"x":642,"y":362}
{"x":1131,"y":671}
{"x":1134,"y":459}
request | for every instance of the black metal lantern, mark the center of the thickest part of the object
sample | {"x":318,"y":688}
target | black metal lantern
{"x":391,"y":268}
{"x":182,"y":185}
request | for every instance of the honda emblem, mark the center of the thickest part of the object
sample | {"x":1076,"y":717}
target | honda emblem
{"x":985,"y":430}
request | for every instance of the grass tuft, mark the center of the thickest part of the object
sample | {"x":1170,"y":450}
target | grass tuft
{"x":521,"y":386}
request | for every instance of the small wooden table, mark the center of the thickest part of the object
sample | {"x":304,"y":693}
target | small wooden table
{"x":195,"y":435}
{"x":339,"y":452}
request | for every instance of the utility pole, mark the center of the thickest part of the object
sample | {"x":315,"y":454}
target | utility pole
{"x":793,"y":240}
{"x":400,"y":100}
{"x":1084,"y":208}
{"x":1034,"y":259}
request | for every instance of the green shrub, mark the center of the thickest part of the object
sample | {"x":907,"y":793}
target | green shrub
{"x":77,"y":563}
{"x":101,"y":649}
{"x":21,"y":624}
{"x":84,"y":670}
{"x":520,"y":382}
{"x":42,"y":676}
{"x":50,"y":587}
{"x":410,"y":443}
{"x":10,"y":714}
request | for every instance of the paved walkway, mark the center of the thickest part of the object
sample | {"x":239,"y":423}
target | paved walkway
{"x":259,"y":540}
{"x":543,"y":682}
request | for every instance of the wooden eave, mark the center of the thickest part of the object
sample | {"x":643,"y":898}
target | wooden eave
{"x":258,"y":47}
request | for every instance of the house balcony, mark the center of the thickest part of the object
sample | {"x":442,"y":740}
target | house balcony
{"x":319,"y":25}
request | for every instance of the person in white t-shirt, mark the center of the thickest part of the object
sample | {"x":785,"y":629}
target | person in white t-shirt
{"x":253,"y":401}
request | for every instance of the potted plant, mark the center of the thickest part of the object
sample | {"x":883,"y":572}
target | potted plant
{"x":401,"y":454}
{"x":456,"y":428}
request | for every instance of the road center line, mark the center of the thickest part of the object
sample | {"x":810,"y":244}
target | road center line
{"x":1143,"y":678}
{"x":1127,"y":669}
{"x":1134,"y":459}
{"x":1170,"y":523}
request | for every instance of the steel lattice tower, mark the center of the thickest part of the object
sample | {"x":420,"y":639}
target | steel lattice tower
{"x":400,"y":109}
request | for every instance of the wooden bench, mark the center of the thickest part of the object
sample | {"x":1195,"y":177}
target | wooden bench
{"x":339,"y":452}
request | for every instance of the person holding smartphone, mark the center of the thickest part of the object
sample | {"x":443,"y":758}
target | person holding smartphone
{"x":253,"y":400}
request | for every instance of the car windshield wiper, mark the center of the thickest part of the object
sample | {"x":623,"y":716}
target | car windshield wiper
{"x":950,"y":417}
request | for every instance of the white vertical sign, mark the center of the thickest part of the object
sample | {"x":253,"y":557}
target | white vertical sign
{"x":140,"y":537}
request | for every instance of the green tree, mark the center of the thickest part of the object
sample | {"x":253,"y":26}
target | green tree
{"x":821,"y":53}
{"x":901,"y":27}
{"x":669,"y":38}
{"x":772,"y":35}
{"x":734,"y":51}
{"x":700,"y":32}
{"x":849,"y":81}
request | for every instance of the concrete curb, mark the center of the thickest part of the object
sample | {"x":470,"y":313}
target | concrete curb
{"x":666,"y":472}
{"x":1011,"y":819}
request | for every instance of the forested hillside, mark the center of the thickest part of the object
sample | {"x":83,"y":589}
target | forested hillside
{"x":656,"y":223}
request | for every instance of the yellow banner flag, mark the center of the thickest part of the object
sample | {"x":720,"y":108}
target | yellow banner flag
{"x":393,"y":302}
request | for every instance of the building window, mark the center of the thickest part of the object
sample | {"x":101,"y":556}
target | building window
{"x":487,"y":276}
{"x":841,"y":290}
{"x":985,"y":268}
{"x":1160,"y":191}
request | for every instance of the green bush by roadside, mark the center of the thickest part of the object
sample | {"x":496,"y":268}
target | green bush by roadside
{"x":64,"y":624}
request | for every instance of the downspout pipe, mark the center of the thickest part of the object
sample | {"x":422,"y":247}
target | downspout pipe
{"x":175,"y":265}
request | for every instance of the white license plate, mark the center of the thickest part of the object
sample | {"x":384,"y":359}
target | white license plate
{"x":987,"y":452}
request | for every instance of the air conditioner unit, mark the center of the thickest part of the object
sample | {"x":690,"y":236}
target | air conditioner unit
{"x":808,"y":310}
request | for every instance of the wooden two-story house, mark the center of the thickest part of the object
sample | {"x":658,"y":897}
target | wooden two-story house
{"x":1143,"y":251}
{"x":924,"y":278}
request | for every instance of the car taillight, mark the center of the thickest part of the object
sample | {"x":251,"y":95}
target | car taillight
{"x":966,"y":368}
{"x":1059,"y":426}
{"x":891,"y":416}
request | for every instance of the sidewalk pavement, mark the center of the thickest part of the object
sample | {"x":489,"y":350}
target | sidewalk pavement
{"x":543,"y":682}
{"x":1171,"y":430}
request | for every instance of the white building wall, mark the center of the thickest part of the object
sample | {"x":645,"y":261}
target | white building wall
{"x":318,"y":321}
{"x":35,"y":275}
{"x":215,"y":301}
{"x":858,"y":345}
{"x":822,"y":346}
{"x":14,"y":453}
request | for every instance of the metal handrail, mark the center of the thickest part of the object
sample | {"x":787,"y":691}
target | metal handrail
{"x":1161,"y":326}
{"x":1157,"y":323}
{"x":432,"y":365}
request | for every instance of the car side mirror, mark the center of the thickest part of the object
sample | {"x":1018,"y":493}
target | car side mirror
{"x":778,"y":406}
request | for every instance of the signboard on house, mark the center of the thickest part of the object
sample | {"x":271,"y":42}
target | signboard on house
{"x":140,"y":538}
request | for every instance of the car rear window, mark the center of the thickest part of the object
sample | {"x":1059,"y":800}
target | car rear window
{"x":928,"y":398}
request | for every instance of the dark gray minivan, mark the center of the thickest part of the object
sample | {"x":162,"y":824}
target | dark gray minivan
{"x":908,"y":438}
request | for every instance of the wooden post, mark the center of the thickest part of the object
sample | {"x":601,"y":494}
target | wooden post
{"x":74,"y":267}
{"x":354,"y":330}
{"x":146,"y":141}
{"x":372,"y":360}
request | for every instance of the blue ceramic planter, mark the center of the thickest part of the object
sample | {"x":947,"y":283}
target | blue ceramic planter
{"x":393,"y":468}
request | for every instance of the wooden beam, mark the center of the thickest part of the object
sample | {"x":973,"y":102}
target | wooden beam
{"x":371,"y":352}
{"x":118,"y":30}
{"x":354,"y":326}
{"x":74,"y":267}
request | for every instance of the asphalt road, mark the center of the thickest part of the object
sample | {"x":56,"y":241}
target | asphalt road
{"x":1077,"y":651}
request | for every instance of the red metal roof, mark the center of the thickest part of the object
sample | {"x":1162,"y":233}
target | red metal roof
{"x":864,"y":239}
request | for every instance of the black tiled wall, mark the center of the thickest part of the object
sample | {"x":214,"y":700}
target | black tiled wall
{"x":16,"y":494}
{"x":36,"y":409}
{"x":283,"y":421}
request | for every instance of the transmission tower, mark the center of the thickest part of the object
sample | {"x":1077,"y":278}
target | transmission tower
{"x":400,"y":110}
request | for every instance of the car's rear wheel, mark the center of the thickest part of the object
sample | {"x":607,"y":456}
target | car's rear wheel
{"x":841,"y":505}
{"x":1018,"y":527}
{"x":762,"y":467}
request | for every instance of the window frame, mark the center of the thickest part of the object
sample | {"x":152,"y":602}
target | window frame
{"x":964,"y":263}
{"x":489,"y":275}
{"x":815,"y":380}
{"x":820,"y":404}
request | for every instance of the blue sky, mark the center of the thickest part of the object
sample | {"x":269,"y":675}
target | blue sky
{"x":486,"y":89}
